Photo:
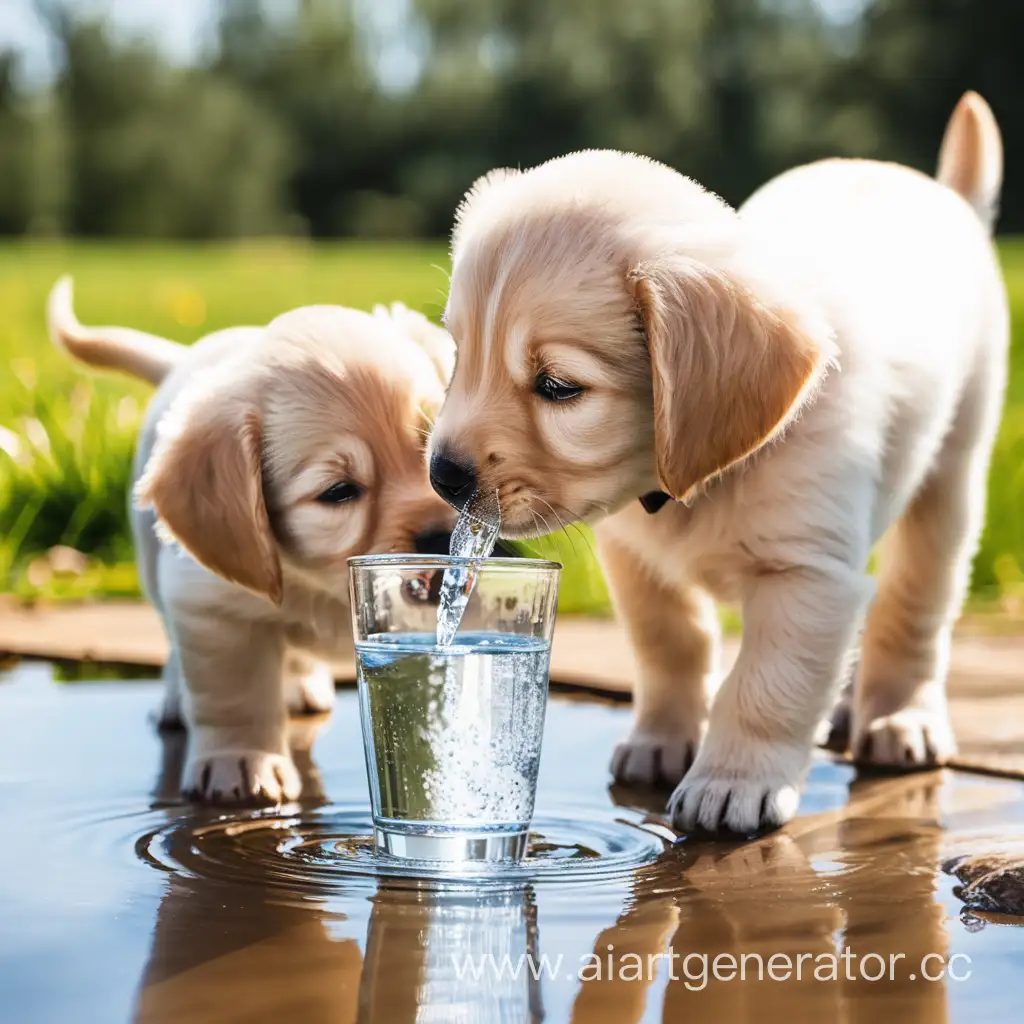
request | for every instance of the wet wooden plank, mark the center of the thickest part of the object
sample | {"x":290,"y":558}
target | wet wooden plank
{"x":586,"y":653}
{"x":986,"y":679}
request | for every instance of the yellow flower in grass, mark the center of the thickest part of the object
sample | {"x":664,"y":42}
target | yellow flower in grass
{"x":127,"y":416}
{"x":188,"y":307}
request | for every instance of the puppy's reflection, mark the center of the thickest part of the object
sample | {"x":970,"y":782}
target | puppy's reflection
{"x":891,"y":909}
{"x":861,"y":879}
{"x":221,"y":952}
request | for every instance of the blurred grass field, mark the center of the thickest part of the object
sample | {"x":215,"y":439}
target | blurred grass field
{"x":66,"y":436}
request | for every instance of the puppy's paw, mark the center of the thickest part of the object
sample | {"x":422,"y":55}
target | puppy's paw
{"x":310,"y":692}
{"x":241,"y":777}
{"x":909,"y":738}
{"x":704,"y":803}
{"x":646,"y":758}
{"x":743,"y":786}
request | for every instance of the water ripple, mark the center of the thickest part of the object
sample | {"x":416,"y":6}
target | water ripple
{"x":320,"y":852}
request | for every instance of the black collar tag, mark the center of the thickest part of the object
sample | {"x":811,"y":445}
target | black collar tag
{"x":652,"y":501}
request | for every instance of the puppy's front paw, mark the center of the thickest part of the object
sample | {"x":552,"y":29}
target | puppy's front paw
{"x":909,"y":738}
{"x":703,"y":803}
{"x":240,"y":777}
{"x":743,"y":788}
{"x":311,"y":692}
{"x":646,"y":758}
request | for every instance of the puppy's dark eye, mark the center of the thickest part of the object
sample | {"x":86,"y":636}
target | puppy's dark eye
{"x":337,"y":494}
{"x":551,"y":389}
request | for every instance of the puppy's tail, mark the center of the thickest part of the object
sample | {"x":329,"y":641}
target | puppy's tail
{"x":117,"y":348}
{"x":971,"y":156}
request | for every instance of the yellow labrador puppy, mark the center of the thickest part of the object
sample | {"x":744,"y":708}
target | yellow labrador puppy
{"x":821,"y":367}
{"x":270,"y":455}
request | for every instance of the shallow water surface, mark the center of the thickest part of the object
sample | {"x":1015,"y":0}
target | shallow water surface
{"x":118,"y":903}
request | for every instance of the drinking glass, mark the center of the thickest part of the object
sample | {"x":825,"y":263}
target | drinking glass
{"x":452,"y":735}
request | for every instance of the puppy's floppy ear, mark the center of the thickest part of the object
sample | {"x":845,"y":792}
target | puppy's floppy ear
{"x":204,"y":480}
{"x":728,"y":371}
{"x":475,"y":197}
{"x":435,"y":341}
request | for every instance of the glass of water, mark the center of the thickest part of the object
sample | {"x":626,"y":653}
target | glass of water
{"x":452,"y":734}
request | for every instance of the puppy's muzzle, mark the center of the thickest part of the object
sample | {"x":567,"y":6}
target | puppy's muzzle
{"x":453,"y":477}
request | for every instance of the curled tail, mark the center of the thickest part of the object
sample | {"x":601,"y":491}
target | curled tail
{"x":971,"y":156}
{"x":141,"y":355}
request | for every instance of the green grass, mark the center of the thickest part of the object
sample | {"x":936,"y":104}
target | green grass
{"x":66,"y":436}
{"x":999,"y":566}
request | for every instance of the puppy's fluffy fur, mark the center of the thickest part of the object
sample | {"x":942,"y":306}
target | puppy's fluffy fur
{"x":819,"y":369}
{"x":248,"y":431}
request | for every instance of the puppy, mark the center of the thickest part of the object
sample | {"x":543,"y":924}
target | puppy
{"x":820,"y":368}
{"x":270,"y":455}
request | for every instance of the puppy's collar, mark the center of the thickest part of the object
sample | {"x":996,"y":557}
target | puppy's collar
{"x":653,"y":501}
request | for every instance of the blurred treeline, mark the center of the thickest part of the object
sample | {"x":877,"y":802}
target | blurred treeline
{"x":371,"y":117}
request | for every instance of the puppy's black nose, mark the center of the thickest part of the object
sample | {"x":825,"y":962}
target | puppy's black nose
{"x":437,"y":543}
{"x":453,"y":478}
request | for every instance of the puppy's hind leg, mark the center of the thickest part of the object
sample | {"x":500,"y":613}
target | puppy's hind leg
{"x":675,"y":638}
{"x":900,"y":716}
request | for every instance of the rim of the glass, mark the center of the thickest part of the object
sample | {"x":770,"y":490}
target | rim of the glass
{"x":444,"y":561}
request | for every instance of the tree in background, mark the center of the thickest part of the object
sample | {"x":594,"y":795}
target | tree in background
{"x":17,"y":133}
{"x":312,"y":73}
{"x":341,"y":118}
{"x":154,"y":150}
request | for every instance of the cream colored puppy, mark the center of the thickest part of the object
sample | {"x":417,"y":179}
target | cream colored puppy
{"x":819,"y":369}
{"x":270,"y":455}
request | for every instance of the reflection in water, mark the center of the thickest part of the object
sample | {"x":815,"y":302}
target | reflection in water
{"x":900,"y":922}
{"x":464,"y":957}
{"x":774,"y":908}
{"x":221,"y":952}
{"x":250,"y":917}
{"x":270,"y":957}
{"x":848,"y":895}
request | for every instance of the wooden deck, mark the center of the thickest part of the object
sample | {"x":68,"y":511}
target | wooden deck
{"x":986,"y":680}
